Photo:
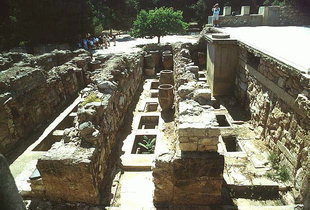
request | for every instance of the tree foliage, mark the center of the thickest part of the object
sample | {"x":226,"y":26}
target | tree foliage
{"x":158,"y":22}
{"x":30,"y":22}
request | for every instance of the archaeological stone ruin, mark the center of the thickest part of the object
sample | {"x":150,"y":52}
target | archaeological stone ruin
{"x":212,"y":123}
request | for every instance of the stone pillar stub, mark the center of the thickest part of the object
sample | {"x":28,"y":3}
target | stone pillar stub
{"x":222,"y":61}
{"x":245,"y":10}
{"x":262,"y":10}
{"x":227,"y":11}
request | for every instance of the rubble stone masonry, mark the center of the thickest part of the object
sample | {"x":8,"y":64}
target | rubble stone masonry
{"x":191,"y":173}
{"x":75,"y":168}
{"x":33,"y":89}
{"x":277,"y":96}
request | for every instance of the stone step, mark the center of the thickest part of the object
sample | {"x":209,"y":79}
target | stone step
{"x":136,"y":190}
{"x":264,"y":192}
{"x":137,"y":162}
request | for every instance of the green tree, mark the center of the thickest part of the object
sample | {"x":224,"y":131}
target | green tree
{"x":158,"y":22}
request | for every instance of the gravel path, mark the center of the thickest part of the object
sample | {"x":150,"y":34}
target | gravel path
{"x":126,"y":43}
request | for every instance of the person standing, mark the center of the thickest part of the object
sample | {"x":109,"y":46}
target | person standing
{"x":216,"y":13}
{"x":114,"y":39}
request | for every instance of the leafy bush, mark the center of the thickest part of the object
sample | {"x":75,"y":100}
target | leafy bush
{"x":274,"y":160}
{"x":148,"y":144}
{"x":283,"y":174}
{"x":280,"y":172}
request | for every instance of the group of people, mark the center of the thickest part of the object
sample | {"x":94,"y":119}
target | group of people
{"x":104,"y":41}
{"x":93,"y":43}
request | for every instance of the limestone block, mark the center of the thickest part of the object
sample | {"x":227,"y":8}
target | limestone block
{"x":202,"y":96}
{"x":209,"y":148}
{"x":195,"y":165}
{"x":195,"y":129}
{"x":184,"y":139}
{"x":198,"y":178}
{"x":189,"y":198}
{"x":213,"y":141}
{"x":188,"y":146}
{"x":67,"y":174}
{"x":245,"y":10}
{"x":206,"y":185}
{"x":163,"y":178}
{"x":213,"y":132}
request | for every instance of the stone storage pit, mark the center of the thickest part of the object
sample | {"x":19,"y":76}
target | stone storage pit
{"x":176,"y":170}
{"x":154,"y":85}
{"x":151,"y":106}
{"x":154,"y":93}
{"x":137,"y":149}
{"x":222,"y":120}
{"x":148,"y":122}
{"x":231,"y":144}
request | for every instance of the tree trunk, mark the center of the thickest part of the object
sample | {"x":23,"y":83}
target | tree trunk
{"x":158,"y":39}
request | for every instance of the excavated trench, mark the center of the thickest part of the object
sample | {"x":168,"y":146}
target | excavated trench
{"x":114,"y":147}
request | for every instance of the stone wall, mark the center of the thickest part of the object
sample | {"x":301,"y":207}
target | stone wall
{"x":241,"y":20}
{"x":277,"y":97}
{"x":290,"y":16}
{"x":33,"y":89}
{"x":191,"y":173}
{"x":267,"y":16}
{"x":76,"y":168}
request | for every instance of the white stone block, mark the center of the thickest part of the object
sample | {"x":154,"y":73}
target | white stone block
{"x":227,"y":11}
{"x":262,"y":11}
{"x":245,"y":10}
